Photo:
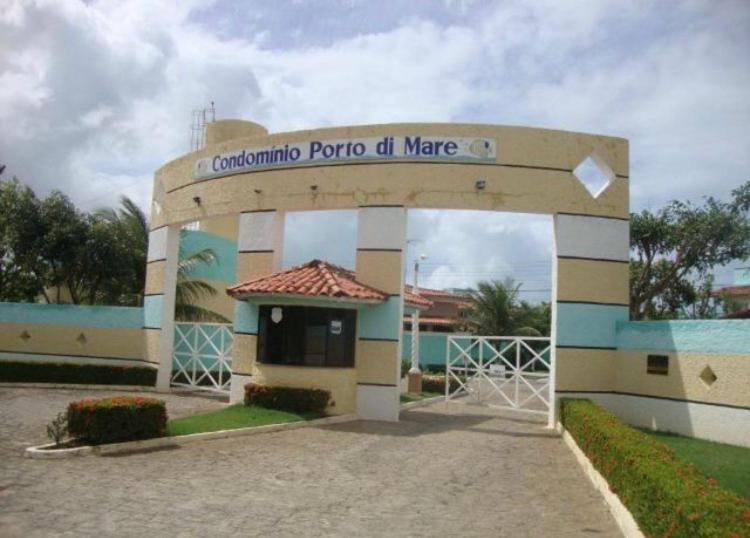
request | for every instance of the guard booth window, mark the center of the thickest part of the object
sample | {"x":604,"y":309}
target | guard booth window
{"x":306,"y":336}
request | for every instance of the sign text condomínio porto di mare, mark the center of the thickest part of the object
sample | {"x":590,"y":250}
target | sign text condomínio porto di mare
{"x":429,"y":148}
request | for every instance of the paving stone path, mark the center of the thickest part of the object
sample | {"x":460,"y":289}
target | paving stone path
{"x":456,"y":471}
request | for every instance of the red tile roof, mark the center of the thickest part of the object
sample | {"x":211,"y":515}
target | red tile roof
{"x":317,"y":279}
{"x":740,"y":314}
{"x":732,"y":290}
{"x":428,"y":292}
{"x":434,"y":320}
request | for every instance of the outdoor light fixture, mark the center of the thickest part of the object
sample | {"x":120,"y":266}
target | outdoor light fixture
{"x":480,"y":184}
{"x":313,"y":187}
{"x":197,"y":200}
{"x":258,"y":191}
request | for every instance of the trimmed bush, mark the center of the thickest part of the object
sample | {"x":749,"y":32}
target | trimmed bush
{"x":666,"y":495}
{"x":122,"y":418}
{"x":437,"y":384}
{"x":295,"y":400}
{"x":84,"y":374}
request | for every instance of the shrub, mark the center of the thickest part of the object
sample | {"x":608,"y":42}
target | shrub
{"x":295,"y":400}
{"x":122,"y":418}
{"x":85,"y":374}
{"x":666,"y":495}
{"x":58,"y":428}
{"x":437,"y":384}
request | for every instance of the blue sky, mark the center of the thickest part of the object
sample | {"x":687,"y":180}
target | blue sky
{"x":95,"y":96}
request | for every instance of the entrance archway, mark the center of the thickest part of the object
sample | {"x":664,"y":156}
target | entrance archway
{"x":381,"y":171}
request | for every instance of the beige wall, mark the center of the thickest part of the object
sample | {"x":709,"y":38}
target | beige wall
{"x":65,"y":340}
{"x":683,"y":382}
{"x":342,"y":382}
{"x":532,"y":174}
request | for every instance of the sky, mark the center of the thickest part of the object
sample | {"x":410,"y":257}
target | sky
{"x":94,"y":96}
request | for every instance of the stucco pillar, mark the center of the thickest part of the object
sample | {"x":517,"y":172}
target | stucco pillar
{"x":381,"y":239}
{"x":590,"y":295}
{"x":260,"y":244}
{"x":158,"y":302}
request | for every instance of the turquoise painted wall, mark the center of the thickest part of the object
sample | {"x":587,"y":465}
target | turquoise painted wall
{"x":226,"y":255}
{"x":742,"y":276}
{"x":68,"y":314}
{"x":245,"y":317}
{"x":381,"y":321}
{"x":706,"y":336}
{"x":588,"y":325}
{"x":152,"y":308}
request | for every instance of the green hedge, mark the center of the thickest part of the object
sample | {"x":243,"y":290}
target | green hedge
{"x":666,"y":495}
{"x":112,"y":420}
{"x":295,"y":400}
{"x":84,"y":374}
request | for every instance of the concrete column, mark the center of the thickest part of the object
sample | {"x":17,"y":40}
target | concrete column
{"x":158,"y":304}
{"x":381,"y":239}
{"x":260,"y":248}
{"x":590,"y":295}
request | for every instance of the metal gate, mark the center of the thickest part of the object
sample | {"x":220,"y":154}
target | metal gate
{"x":507,"y":372}
{"x":203,"y":356}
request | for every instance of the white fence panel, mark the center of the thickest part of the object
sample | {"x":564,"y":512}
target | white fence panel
{"x":203,"y":356}
{"x":508,"y":372}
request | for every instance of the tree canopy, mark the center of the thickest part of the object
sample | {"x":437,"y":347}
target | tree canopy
{"x":51,"y":251}
{"x":675,"y":249}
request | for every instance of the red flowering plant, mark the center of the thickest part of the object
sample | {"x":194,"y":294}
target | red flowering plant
{"x":667,"y":496}
{"x":295,"y":400}
{"x":121,"y":418}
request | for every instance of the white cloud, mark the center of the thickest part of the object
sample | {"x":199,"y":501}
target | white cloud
{"x":95,"y":96}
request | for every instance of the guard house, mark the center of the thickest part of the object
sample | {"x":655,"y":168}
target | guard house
{"x":311,"y":321}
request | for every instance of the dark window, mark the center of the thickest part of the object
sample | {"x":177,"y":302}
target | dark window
{"x":657,"y":364}
{"x":307,"y":336}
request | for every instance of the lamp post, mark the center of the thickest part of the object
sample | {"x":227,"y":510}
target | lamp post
{"x":415,"y":374}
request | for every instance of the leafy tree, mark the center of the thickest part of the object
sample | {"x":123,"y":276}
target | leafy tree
{"x":19,"y":223}
{"x":50,"y":249}
{"x":675,"y":249}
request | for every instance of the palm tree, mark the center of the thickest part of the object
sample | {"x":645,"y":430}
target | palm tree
{"x":189,"y":291}
{"x":492,"y":304}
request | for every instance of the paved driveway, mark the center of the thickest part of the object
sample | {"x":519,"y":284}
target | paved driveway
{"x":456,"y":471}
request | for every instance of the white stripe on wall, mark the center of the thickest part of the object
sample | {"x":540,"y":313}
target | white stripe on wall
{"x":592,"y":237}
{"x":157,"y":244}
{"x":704,"y":421}
{"x":256,"y":231}
{"x":381,"y":227}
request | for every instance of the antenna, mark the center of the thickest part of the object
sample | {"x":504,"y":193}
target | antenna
{"x":201,"y":117}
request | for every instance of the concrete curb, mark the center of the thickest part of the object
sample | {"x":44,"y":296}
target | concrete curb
{"x":624,"y":519}
{"x":76,"y":386}
{"x":38,"y":452}
{"x":420,"y":403}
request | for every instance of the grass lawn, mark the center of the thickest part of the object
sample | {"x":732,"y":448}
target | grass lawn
{"x":728,"y":464}
{"x":407,"y":397}
{"x":232,"y":417}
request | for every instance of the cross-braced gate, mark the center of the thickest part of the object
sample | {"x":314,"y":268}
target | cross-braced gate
{"x":203,"y":356}
{"x":508,"y":372}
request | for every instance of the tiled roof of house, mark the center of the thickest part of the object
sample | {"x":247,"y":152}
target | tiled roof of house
{"x":732,"y":290}
{"x":434,"y":320}
{"x":740,"y":314}
{"x":316,"y":278}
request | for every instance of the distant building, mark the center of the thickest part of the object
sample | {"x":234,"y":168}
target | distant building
{"x":447,"y":314}
{"x":738,"y":293}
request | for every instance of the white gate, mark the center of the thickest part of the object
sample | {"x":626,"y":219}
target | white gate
{"x":203,"y":356}
{"x":508,"y":372}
